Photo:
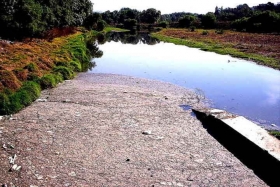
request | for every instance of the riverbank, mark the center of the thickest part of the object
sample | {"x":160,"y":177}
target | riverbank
{"x":29,"y":66}
{"x":261,"y":48}
{"x":124,"y":131}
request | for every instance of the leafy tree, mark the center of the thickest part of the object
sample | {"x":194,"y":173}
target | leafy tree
{"x":29,"y":18}
{"x":186,"y":21}
{"x":130,"y":23}
{"x":209,"y":20}
{"x":150,"y":15}
{"x":91,"y":21}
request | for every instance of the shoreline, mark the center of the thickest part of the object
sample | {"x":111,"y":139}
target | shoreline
{"x":123,"y":127}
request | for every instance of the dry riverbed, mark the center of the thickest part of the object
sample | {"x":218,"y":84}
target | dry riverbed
{"x":111,"y":130}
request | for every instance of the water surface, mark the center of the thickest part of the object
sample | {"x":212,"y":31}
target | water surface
{"x":239,"y":86}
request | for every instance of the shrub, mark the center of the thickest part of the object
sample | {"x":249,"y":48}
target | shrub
{"x":100,"y":25}
{"x":76,"y":66}
{"x":21,"y":74}
{"x":220,"y":31}
{"x":163,"y":24}
{"x":9,"y":80}
{"x":4,"y":103}
{"x":192,"y":28}
{"x":31,"y":67}
{"x":205,"y":32}
{"x":65,"y":72}
{"x":32,"y":88}
{"x":48,"y":81}
{"x":14,"y":102}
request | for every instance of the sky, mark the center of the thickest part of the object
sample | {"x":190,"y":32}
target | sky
{"x":170,"y":6}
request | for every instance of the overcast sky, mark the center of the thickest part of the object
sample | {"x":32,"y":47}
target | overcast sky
{"x":169,"y":6}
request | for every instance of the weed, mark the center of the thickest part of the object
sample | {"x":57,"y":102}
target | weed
{"x":205,"y":32}
{"x":65,"y":72}
{"x":275,"y":134}
{"x":48,"y":81}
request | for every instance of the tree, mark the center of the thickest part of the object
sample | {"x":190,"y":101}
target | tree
{"x":208,"y":20}
{"x":130,"y":24}
{"x":91,"y":21}
{"x":150,"y":15}
{"x":186,"y":21}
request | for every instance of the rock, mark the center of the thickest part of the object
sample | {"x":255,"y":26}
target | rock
{"x":14,"y":167}
{"x":18,"y":168}
{"x":40,"y":177}
{"x":147,"y":132}
{"x":11,"y":146}
{"x":66,"y":101}
{"x":72,"y":174}
{"x":12,"y":159}
{"x":4,"y":185}
{"x":1,"y":118}
{"x":41,"y":100}
{"x":33,"y":186}
{"x":4,"y":146}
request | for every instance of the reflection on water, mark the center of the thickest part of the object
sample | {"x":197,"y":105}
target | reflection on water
{"x":128,"y":38}
{"x":232,"y":84}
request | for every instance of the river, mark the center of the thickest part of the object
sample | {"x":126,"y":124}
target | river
{"x":238,"y":86}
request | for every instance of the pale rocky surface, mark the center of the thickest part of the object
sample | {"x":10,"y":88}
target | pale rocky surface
{"x":110,"y":130}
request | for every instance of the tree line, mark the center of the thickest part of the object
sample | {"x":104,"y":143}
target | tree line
{"x":30,"y":18}
{"x":260,"y":18}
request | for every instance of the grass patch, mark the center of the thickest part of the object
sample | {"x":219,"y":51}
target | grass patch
{"x":40,"y":65}
{"x":11,"y":102}
{"x":114,"y":29}
{"x":275,"y":134}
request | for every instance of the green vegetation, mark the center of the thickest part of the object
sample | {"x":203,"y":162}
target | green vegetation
{"x":11,"y":102}
{"x":110,"y":29}
{"x":218,"y":48}
{"x":275,"y":134}
{"x":72,"y":55}
{"x":31,"y":18}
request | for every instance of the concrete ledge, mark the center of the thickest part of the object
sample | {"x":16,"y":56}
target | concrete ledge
{"x":250,"y":143}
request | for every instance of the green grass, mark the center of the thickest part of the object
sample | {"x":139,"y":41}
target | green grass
{"x":220,"y":49}
{"x":110,"y":29}
{"x":70,"y":58}
{"x":275,"y":133}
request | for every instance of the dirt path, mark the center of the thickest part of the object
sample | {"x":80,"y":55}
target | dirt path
{"x":109,"y":130}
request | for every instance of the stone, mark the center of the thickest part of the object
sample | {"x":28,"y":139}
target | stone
{"x":41,"y":100}
{"x":147,"y":132}
{"x":12,"y":159}
{"x":40,"y":177}
{"x":72,"y":174}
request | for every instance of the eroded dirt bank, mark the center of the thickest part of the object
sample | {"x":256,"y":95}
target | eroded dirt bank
{"x":110,"y":130}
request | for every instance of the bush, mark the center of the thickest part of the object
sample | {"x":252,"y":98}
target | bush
{"x":100,"y":25}
{"x":192,"y":28}
{"x":65,"y":72}
{"x":205,"y":32}
{"x":14,"y":102}
{"x":163,"y":24}
{"x":48,"y":81}
{"x":32,"y":88}
{"x":4,"y":103}
{"x":31,"y":67}
{"x":9,"y":80}
{"x":130,"y":24}
{"x":76,"y":66}
{"x":220,"y":31}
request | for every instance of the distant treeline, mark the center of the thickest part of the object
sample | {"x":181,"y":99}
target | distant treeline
{"x":29,"y":18}
{"x":261,"y":18}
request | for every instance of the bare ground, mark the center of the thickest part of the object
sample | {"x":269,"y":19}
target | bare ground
{"x":90,"y":133}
